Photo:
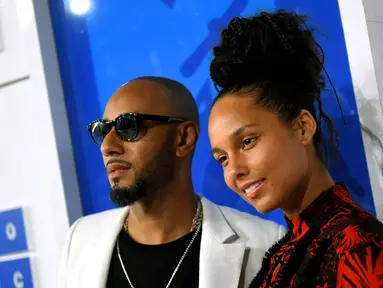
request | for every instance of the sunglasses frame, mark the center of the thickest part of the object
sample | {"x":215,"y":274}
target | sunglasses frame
{"x":137,"y":117}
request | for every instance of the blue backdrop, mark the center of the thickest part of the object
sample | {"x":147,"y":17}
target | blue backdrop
{"x":119,"y":40}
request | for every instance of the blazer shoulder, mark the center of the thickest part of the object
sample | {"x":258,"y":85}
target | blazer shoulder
{"x":90,"y":226}
{"x":253,"y":227}
{"x":100,"y":217}
{"x":84,"y":234}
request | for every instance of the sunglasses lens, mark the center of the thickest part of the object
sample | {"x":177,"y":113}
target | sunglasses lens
{"x":127,"y":127}
{"x":98,"y":131}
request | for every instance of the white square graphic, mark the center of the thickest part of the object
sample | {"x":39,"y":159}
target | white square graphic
{"x":1,"y":34}
{"x":15,"y":27}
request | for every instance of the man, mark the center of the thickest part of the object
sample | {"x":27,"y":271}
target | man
{"x":167,"y":235}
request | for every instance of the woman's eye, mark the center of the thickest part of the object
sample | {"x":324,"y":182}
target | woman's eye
{"x":248,"y":141}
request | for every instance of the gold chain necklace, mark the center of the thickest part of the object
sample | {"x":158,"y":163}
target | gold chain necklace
{"x":196,"y":225}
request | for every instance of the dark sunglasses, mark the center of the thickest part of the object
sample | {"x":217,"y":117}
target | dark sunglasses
{"x":127,"y":126}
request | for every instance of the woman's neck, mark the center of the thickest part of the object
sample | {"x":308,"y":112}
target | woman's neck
{"x":318,"y":182}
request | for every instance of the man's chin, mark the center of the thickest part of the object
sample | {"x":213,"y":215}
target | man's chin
{"x":124,"y":196}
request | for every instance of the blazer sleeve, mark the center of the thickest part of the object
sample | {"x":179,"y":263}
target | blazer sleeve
{"x":65,"y":256}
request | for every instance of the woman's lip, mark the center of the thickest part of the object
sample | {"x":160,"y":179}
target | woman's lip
{"x":249,"y":184}
{"x":254,"y":192}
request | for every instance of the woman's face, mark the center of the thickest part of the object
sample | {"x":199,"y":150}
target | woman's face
{"x":264,"y":160}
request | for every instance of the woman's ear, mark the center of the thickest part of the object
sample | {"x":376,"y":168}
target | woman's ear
{"x":307,"y":126}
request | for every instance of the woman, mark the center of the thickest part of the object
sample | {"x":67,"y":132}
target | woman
{"x":264,"y":128}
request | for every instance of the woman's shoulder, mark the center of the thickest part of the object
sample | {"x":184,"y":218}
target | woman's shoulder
{"x":359,"y":250}
{"x":354,"y":230}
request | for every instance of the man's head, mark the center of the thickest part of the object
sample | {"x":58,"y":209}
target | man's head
{"x":143,"y":153}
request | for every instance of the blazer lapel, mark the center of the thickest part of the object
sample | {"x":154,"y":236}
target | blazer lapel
{"x":221,"y":260}
{"x":99,"y":253}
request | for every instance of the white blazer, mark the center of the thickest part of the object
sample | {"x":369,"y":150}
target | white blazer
{"x":233,"y":245}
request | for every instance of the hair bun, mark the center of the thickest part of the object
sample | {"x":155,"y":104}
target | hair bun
{"x":230,"y":56}
{"x":265,"y":48}
{"x":235,"y":37}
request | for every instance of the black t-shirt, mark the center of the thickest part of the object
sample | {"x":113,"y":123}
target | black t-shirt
{"x":151,"y":266}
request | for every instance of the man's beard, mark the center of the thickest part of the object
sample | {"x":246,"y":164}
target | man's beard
{"x":126,"y":196}
{"x":158,"y":173}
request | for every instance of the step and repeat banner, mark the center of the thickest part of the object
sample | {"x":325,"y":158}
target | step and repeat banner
{"x":103,"y":44}
{"x":15,"y":271}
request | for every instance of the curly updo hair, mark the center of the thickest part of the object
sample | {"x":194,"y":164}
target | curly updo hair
{"x":276,"y":56}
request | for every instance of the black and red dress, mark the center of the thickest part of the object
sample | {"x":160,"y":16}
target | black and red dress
{"x":332,"y":243}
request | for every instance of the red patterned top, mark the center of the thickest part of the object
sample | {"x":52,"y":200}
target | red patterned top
{"x":332,"y":243}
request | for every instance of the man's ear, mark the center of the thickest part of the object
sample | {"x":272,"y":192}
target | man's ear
{"x":187,"y":137}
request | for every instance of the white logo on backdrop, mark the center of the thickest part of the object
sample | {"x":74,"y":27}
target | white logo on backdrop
{"x":18,"y":279}
{"x":10,"y":231}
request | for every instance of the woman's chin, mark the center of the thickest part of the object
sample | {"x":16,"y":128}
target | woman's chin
{"x":262,"y":207}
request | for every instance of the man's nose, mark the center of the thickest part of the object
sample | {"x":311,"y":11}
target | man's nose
{"x":112,"y":144}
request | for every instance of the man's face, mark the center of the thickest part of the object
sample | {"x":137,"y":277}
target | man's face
{"x":138,"y":168}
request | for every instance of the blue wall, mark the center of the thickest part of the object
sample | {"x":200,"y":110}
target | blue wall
{"x":119,"y":40}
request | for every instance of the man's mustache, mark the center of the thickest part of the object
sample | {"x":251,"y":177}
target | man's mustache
{"x":116,"y":160}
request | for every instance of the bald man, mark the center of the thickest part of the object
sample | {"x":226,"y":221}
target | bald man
{"x":163,"y":234}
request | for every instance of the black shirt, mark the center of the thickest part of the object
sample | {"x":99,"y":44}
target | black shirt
{"x":151,"y":266}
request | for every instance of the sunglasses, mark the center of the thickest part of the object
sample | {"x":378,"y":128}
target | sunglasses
{"x":127,"y":126}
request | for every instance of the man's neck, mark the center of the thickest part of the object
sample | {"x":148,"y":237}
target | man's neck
{"x":164,"y":219}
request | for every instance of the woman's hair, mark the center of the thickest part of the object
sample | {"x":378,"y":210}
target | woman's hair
{"x":275,"y":58}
